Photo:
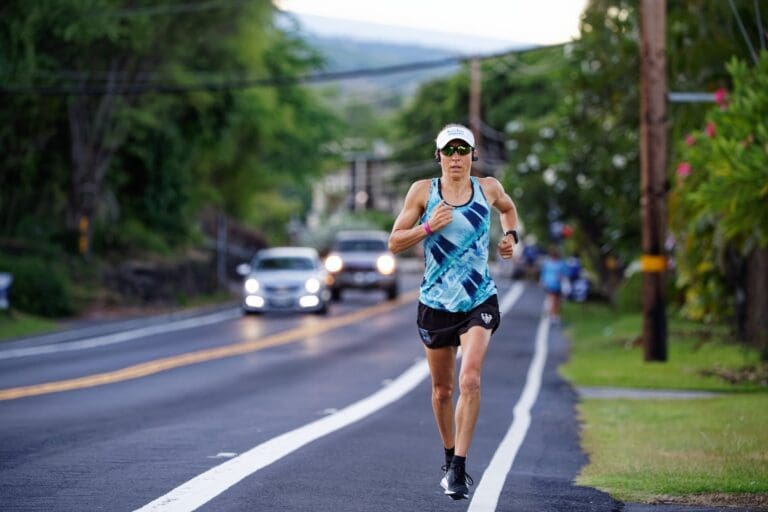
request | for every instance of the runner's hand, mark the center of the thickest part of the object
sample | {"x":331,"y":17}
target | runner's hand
{"x":442,"y":215}
{"x":506,"y":246}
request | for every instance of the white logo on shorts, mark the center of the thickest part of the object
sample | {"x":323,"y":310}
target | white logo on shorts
{"x":486,"y":317}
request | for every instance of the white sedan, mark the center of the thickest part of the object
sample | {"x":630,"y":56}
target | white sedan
{"x":285,"y":279}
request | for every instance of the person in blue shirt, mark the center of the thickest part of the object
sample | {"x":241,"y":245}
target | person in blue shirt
{"x":553,"y":271}
{"x":458,"y":303}
{"x":579,"y":286}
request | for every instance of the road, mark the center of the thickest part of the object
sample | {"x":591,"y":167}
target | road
{"x":221,"y":412}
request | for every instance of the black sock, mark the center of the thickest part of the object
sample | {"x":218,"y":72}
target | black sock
{"x":458,"y":461}
{"x":448,"y":456}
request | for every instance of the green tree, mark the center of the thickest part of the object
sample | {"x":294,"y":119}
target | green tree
{"x":571,"y":117}
{"x":86,"y":136}
{"x":435,"y":104}
{"x":517,"y":89}
{"x":587,"y":174}
{"x":587,"y":167}
{"x":719,"y":202}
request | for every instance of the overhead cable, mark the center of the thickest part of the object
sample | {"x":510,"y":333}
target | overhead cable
{"x":132,"y":88}
{"x":170,"y":9}
{"x":743,"y":31}
{"x":760,"y":30}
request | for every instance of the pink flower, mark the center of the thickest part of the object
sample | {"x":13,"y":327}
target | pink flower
{"x":710,"y":130}
{"x":690,"y":140}
{"x":683,"y":169}
{"x":721,"y":98}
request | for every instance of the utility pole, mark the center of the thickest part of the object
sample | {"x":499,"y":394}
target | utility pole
{"x":221,"y":250}
{"x":653,"y":186}
{"x":475,"y":80}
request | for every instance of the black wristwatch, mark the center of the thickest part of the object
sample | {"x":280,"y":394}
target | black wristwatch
{"x":512,"y":232}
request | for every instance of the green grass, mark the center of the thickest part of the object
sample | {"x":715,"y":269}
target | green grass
{"x":649,"y":450}
{"x":606,"y":352}
{"x":702,"y":451}
{"x":14,"y":324}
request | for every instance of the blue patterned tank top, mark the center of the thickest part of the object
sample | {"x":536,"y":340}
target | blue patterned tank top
{"x":456,"y":276}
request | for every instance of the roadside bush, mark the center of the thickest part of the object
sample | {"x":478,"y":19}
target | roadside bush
{"x":130,"y":237}
{"x":719,"y":195}
{"x":39,"y":287}
{"x":629,"y":298}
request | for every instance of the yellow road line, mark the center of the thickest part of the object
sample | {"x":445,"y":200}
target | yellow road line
{"x":200,"y":356}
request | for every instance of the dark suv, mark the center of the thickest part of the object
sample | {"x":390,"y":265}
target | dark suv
{"x":361,"y":260}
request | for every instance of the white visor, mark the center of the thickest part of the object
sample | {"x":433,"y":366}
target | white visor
{"x":450,"y":133}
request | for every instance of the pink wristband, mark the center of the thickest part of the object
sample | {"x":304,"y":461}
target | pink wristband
{"x":427,"y":228}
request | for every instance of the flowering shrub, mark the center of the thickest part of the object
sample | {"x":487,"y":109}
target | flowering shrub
{"x":719,"y":201}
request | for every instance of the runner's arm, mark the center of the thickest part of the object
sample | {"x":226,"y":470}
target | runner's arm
{"x":405,"y":232}
{"x":507,"y":214}
{"x":502,"y":202}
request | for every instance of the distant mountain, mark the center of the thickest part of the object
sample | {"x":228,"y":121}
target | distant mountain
{"x":349,"y":54}
{"x":356,"y":45}
{"x":362,"y":31}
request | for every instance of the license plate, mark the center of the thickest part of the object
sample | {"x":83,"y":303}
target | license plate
{"x":364,"y":277}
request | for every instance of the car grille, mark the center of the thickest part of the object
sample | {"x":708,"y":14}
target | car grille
{"x":357,"y":267}
{"x":282,"y":288}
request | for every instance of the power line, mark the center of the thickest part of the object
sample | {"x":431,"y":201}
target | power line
{"x":129,"y":88}
{"x":170,"y":9}
{"x":133,"y":88}
{"x":760,"y":31}
{"x":743,"y":31}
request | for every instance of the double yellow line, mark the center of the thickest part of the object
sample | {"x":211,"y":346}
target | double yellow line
{"x":201,"y":356}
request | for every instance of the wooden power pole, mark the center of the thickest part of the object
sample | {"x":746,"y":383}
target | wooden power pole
{"x":653,"y":181}
{"x":475,"y":116}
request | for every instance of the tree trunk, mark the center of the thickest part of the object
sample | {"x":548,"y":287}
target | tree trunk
{"x":757,"y":301}
{"x":609,"y":270}
{"x":95,"y":136}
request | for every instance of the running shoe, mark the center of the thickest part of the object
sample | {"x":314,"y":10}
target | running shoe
{"x":444,"y":482}
{"x":457,"y":481}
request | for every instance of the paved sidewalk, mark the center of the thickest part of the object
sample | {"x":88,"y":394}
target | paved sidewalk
{"x":640,"y":507}
{"x":643,"y":394}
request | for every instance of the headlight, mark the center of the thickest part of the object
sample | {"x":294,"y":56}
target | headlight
{"x":312,"y":285}
{"x":385,"y":264}
{"x":251,"y":285}
{"x":309,"y":301}
{"x":333,"y":263}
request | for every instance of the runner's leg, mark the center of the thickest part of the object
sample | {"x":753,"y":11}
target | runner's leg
{"x":474,"y":345}
{"x":442,"y":367}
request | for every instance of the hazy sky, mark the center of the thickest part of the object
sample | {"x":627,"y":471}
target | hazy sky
{"x":522,"y":21}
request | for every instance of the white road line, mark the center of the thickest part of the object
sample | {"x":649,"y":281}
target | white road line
{"x":110,"y":339}
{"x":206,"y":486}
{"x":198,"y":491}
{"x":486,"y":496}
{"x":511,"y":297}
{"x":190,"y":323}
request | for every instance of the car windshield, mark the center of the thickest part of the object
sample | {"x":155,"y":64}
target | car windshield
{"x":284,"y":263}
{"x":361,"y":246}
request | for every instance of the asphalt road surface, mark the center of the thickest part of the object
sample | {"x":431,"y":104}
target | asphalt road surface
{"x":220,"y":412}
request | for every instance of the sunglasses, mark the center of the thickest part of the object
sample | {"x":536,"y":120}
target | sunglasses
{"x":460,"y":149}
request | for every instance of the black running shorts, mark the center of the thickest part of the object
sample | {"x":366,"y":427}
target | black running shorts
{"x":439,"y":328}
